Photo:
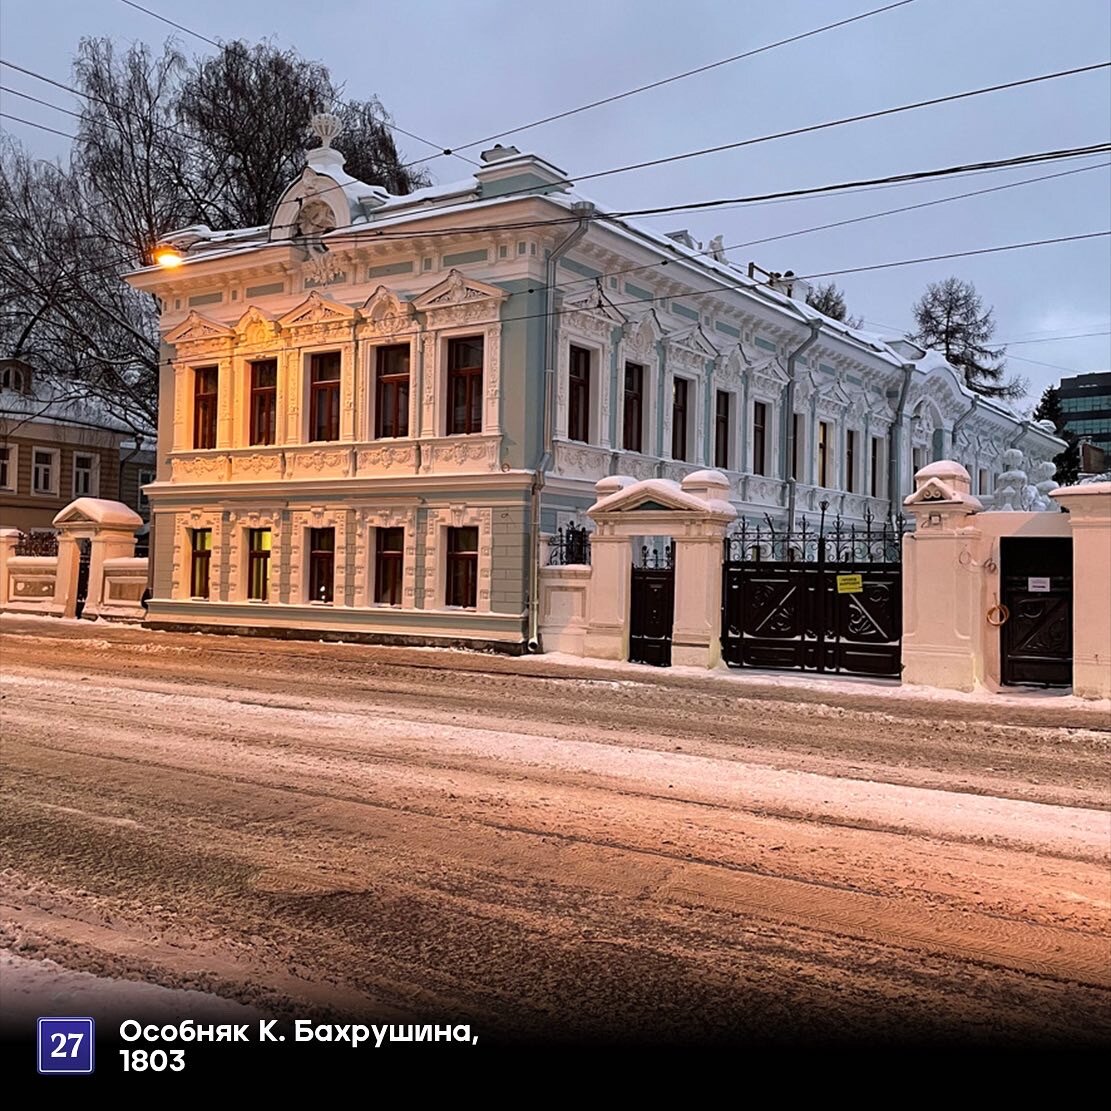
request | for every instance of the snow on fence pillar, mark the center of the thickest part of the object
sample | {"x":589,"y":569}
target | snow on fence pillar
{"x":940,"y":580}
{"x":110,"y":527}
{"x":1089,"y":517}
{"x":694,"y":516}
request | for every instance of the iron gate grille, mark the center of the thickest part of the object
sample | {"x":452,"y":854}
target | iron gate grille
{"x":822,"y":598}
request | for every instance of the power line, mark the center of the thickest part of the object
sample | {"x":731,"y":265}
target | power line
{"x":38,"y":100}
{"x":1051,"y":339}
{"x":878,"y":114}
{"x":220,"y":46}
{"x":40,"y":126}
{"x":665,"y":81}
{"x":180,"y":27}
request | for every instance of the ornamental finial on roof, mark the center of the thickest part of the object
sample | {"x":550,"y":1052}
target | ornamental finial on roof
{"x":326,"y":127}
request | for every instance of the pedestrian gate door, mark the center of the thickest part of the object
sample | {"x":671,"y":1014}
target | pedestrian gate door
{"x":1036,"y":638}
{"x":825,"y":598}
{"x":652,"y":607}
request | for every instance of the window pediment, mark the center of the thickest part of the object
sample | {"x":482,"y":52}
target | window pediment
{"x":197,"y":329}
{"x":315,"y":309}
{"x":457,"y":289}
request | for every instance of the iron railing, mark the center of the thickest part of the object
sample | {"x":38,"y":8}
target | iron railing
{"x":653,"y":558}
{"x":821,"y":541}
{"x":570,"y":545}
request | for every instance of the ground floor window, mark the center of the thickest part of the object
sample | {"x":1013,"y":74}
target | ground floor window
{"x":258,"y":564}
{"x":201,"y":562}
{"x":389,"y":554}
{"x":322,"y":564}
{"x":462,"y":567}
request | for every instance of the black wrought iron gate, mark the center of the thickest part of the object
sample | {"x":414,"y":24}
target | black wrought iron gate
{"x":1036,"y":639}
{"x":85,"y":547}
{"x":652,"y":607}
{"x":825,"y":598}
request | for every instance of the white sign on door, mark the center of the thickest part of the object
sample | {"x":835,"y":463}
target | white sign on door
{"x":1038,"y":586}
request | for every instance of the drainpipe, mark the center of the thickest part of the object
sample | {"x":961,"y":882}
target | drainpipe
{"x":1022,"y":430}
{"x":789,"y":419}
{"x":584,"y":210}
{"x":961,"y":421}
{"x":894,"y":444}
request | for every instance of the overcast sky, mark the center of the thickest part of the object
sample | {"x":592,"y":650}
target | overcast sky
{"x":457,"y":70}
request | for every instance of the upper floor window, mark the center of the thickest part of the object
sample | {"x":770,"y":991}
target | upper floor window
{"x":206,"y":392}
{"x":16,"y":378}
{"x":7,"y":468}
{"x":322,"y":564}
{"x":918,"y":458}
{"x":464,"y":385}
{"x":264,"y":401}
{"x":324,"y":373}
{"x":462,"y":567}
{"x":633,"y":427}
{"x":796,"y":454}
{"x":823,"y":454}
{"x":85,"y":474}
{"x":875,"y":462}
{"x":200,"y":563}
{"x":391,"y":400}
{"x":850,"y":461}
{"x":759,"y":437}
{"x":258,"y":564}
{"x":145,"y":479}
{"x":578,"y":395}
{"x":44,"y":471}
{"x":679,"y":419}
{"x":721,"y":429}
{"x":389,"y":552}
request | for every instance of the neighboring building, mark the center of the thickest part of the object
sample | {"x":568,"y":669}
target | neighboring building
{"x":359,"y":433}
{"x":1086,"y":406}
{"x":138,"y":468}
{"x":53,"y":449}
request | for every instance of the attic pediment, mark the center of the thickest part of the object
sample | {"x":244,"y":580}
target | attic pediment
{"x":315,"y":309}
{"x":695,"y":339}
{"x":384,"y":306}
{"x":196,"y":327}
{"x":595,"y":302}
{"x":457,"y":289}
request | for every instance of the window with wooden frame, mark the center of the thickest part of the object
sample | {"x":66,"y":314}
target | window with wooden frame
{"x":796,"y":454}
{"x":578,"y":395}
{"x":264,"y":401}
{"x":722,"y":424}
{"x":823,"y":454}
{"x":632,"y":433}
{"x":8,"y":467}
{"x":759,"y":437}
{"x":85,"y":468}
{"x":324,"y":378}
{"x":850,"y":461}
{"x":200,"y":563}
{"x":462,"y":567}
{"x":679,"y":437}
{"x":391,"y":391}
{"x":258,"y":564}
{"x":464,"y":385}
{"x":45,"y":465}
{"x":206,"y":393}
{"x":322,"y":564}
{"x":389,"y":555}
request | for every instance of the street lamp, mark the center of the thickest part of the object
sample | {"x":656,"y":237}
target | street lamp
{"x":167,"y":256}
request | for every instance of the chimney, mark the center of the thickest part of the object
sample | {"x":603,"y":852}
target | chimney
{"x":498,"y":153}
{"x":683,"y":236}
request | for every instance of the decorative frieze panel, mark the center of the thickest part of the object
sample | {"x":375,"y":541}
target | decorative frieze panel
{"x":207,"y":467}
{"x":386,"y":459}
{"x":256,"y":466}
{"x":574,"y":460}
{"x":460,"y":455}
{"x":638,"y":466}
{"x":321,"y":461}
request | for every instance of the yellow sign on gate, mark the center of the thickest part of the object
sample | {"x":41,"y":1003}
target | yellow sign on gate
{"x":850,"y":584}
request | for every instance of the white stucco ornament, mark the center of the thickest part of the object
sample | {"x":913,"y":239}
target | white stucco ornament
{"x":1020,"y":492}
{"x":326,"y":126}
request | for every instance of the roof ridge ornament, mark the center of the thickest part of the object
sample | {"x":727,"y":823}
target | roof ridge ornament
{"x":326,"y":126}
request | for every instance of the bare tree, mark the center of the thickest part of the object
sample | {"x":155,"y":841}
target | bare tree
{"x":163,"y":143}
{"x":952,"y":319}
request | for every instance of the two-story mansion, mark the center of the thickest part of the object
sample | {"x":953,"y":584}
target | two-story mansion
{"x":374,"y":408}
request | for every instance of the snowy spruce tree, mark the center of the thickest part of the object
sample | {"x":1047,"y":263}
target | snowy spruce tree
{"x":951,"y":318}
{"x":830,"y":300}
{"x":1068,"y":462}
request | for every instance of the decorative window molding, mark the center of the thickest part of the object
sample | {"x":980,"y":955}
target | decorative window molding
{"x":435,"y":558}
